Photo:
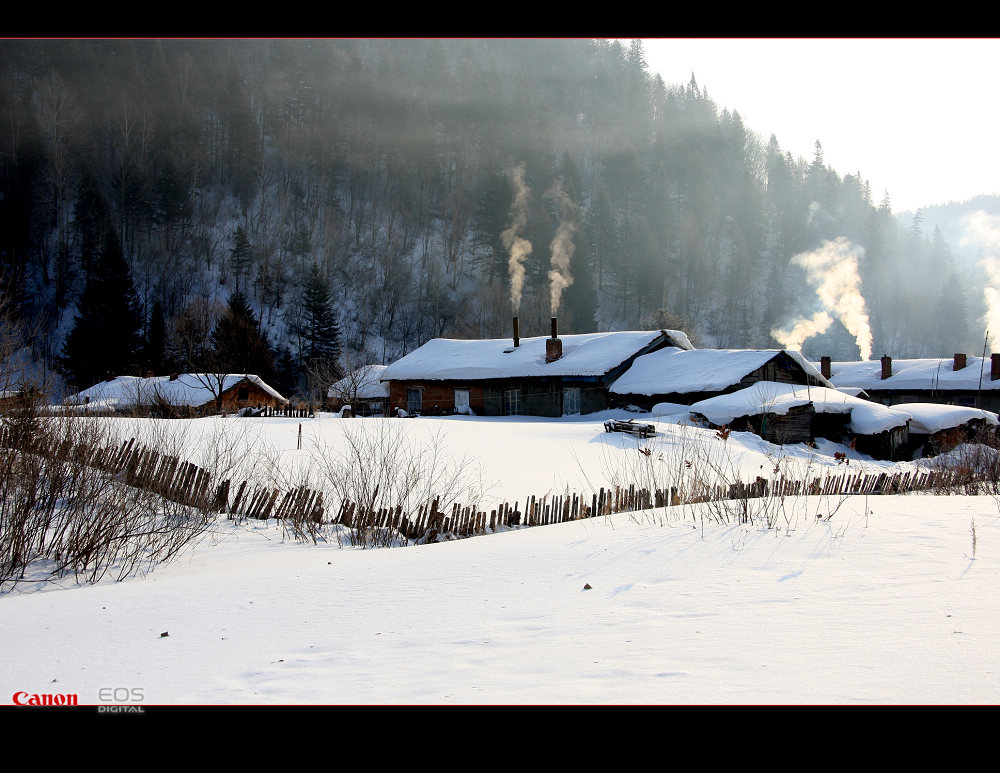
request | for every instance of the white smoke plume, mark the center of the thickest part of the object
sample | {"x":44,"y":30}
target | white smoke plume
{"x":518,"y":248}
{"x":833,"y":271}
{"x":803,"y":329}
{"x":562,"y":248}
{"x":984,"y":230}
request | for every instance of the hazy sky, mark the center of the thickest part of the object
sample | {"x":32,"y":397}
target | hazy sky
{"x":919,"y":118}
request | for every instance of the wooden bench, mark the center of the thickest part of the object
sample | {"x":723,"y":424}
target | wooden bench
{"x":630,"y":426}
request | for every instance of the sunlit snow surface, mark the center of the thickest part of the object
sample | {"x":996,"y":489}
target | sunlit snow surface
{"x":859,"y":600}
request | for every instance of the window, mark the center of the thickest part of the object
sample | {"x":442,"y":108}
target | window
{"x":571,"y":401}
{"x":511,"y":402}
{"x":462,"y":401}
{"x":414,"y":400}
{"x":243,"y":394}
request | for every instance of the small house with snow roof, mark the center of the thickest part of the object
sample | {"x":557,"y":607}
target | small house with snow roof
{"x":184,"y":394}
{"x":362,"y":390}
{"x":796,"y":413}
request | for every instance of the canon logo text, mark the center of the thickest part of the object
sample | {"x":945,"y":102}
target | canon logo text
{"x":22,"y":698}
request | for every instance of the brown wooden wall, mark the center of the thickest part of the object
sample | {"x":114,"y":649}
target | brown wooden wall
{"x":439,"y":395}
{"x":256,"y":397}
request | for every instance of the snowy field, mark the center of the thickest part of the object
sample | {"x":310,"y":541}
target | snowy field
{"x":856,"y":600}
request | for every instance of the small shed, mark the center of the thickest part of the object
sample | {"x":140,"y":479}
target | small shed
{"x":936,"y":429}
{"x":361,"y":389}
{"x":788,"y":413}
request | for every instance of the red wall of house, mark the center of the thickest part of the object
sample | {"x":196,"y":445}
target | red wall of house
{"x":434,"y":394}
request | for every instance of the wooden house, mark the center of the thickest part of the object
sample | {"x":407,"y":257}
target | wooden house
{"x":959,"y":380}
{"x":686,"y":376}
{"x":10,"y":399}
{"x":539,"y":376}
{"x":184,"y":394}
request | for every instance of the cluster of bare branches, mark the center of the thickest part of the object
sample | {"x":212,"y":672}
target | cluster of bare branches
{"x":61,"y":515}
{"x":710,"y":486}
{"x":378,"y":469}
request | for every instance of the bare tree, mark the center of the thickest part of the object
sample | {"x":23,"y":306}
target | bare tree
{"x":359,"y":380}
{"x":321,"y":375}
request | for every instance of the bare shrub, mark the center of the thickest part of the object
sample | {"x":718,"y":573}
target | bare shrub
{"x":974,"y":467}
{"x":66,"y":509}
{"x":707,"y":484}
{"x":379,"y":468}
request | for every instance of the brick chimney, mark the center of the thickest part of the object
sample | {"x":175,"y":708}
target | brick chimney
{"x":553,"y":346}
{"x":886,"y":366}
{"x":994,"y":367}
{"x":824,"y":367}
{"x":517,"y":337}
{"x":959,"y":361}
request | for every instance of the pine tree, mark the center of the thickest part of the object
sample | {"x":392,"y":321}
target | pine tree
{"x":106,"y":335}
{"x":238,"y":345}
{"x":319,"y":332}
{"x":240,"y":256}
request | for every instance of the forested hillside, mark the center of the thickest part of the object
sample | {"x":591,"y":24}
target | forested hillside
{"x":297,"y":207}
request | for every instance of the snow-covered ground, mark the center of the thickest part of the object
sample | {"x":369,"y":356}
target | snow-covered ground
{"x":858,"y":600}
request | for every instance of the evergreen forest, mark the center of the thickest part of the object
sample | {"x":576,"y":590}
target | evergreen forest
{"x":298,"y":208}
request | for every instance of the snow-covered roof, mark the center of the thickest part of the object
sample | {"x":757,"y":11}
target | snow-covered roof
{"x":363,"y":384}
{"x":925,"y":374}
{"x":583,"y":354}
{"x":929,"y":418}
{"x":679,"y":371}
{"x":194,"y":389}
{"x":867,"y":418}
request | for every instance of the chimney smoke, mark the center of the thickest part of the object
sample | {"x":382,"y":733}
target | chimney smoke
{"x":832,"y":270}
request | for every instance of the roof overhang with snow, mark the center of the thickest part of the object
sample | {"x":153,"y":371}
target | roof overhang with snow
{"x":768,"y":397}
{"x":929,"y":418}
{"x":187,"y":389}
{"x":583,"y":355}
{"x":925,"y":374}
{"x":678,"y":371}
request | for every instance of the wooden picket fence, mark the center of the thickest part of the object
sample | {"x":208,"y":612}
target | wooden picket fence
{"x":430,"y":521}
{"x":186,"y":483}
{"x":175,"y":479}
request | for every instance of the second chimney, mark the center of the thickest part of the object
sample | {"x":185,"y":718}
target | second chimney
{"x":886,"y":366}
{"x":824,"y":367}
{"x":517,"y":338}
{"x":959,"y":361}
{"x":994,"y":367}
{"x":553,"y":346}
